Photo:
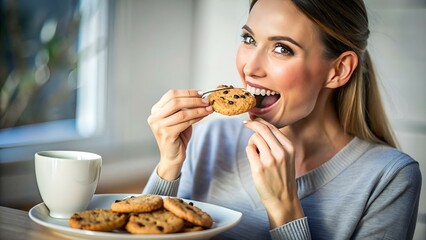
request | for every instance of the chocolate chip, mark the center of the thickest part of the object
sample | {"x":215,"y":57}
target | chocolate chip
{"x":118,"y":201}
{"x":190,"y":209}
{"x":236,"y":96}
{"x":140,"y":224}
{"x":191,"y":203}
{"x":225,"y":92}
{"x":160,"y":228}
{"x":230,"y":102}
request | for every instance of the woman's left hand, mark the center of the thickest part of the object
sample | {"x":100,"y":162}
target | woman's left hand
{"x":272,"y":162}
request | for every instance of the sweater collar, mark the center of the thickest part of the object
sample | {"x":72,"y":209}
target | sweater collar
{"x":318,"y":177}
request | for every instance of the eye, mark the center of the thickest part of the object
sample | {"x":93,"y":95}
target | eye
{"x":283,"y":49}
{"x":247,"y":39}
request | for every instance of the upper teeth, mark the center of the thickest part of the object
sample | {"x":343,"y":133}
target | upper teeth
{"x":259,"y":91}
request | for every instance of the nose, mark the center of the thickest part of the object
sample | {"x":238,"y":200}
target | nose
{"x":255,"y":62}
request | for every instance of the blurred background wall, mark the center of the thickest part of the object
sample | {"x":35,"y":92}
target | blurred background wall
{"x":157,"y":45}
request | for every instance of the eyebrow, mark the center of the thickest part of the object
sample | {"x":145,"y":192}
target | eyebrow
{"x":275,"y":38}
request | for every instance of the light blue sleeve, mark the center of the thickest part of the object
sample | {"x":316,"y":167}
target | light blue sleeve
{"x":186,"y":188}
{"x":297,"y":230}
{"x":159,"y":186}
{"x":392,"y":211}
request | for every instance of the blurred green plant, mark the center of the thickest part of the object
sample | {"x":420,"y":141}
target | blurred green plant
{"x":38,"y":63}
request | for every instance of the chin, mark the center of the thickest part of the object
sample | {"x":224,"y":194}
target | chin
{"x":271,"y":114}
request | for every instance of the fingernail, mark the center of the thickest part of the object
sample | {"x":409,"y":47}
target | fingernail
{"x":205,"y":100}
{"x":209,"y":108}
{"x":200,"y":93}
{"x":245,"y":121}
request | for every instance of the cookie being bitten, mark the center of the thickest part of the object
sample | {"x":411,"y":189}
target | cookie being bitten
{"x":232,"y":101}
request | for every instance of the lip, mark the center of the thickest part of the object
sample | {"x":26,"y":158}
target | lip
{"x":260,"y":111}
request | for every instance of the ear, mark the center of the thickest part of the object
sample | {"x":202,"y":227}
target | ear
{"x":342,"y":69}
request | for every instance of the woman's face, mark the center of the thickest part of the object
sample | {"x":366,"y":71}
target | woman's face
{"x":281,"y":56}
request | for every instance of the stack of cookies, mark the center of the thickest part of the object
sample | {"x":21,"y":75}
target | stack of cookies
{"x":145,"y":214}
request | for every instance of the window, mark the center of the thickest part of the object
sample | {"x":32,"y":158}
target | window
{"x":52,"y":70}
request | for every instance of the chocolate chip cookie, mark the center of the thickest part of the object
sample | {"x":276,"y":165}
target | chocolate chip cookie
{"x":98,"y":220}
{"x":135,"y":204}
{"x":232,"y":101}
{"x":157,"y":222}
{"x":188,"y":212}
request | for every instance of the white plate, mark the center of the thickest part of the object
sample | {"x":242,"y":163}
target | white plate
{"x":224,"y":219}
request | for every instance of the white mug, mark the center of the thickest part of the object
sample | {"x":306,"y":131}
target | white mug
{"x":67,"y":180}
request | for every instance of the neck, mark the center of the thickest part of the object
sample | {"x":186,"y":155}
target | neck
{"x":317,"y":138}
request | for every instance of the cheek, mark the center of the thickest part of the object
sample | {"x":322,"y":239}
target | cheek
{"x":288,"y":76}
{"x":300,"y":87}
{"x":240,"y":62}
{"x":299,"y":77}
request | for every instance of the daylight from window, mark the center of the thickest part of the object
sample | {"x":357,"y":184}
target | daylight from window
{"x":52,"y":58}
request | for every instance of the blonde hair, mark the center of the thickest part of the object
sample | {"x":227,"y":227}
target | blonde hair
{"x":343,"y":26}
{"x":360,"y":107}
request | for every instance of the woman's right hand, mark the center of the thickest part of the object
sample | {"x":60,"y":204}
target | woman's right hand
{"x":171,"y":122}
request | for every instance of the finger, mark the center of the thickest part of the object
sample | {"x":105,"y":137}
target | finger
{"x":253,"y":157}
{"x":179,"y":104}
{"x":172,"y":94}
{"x":274,"y":137}
{"x":265,"y":132}
{"x":279,"y":135}
{"x":180,"y":112}
{"x":187,"y":115}
{"x":263,"y":176}
{"x":265,"y":153}
{"x":184,"y":118}
{"x":284,"y":152}
{"x":171,"y":133}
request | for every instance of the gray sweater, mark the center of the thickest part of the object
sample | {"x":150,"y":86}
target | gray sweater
{"x":366,"y":191}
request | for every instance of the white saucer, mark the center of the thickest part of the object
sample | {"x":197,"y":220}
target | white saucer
{"x":224,"y":219}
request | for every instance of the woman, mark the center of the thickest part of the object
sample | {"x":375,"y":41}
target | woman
{"x":317,"y":159}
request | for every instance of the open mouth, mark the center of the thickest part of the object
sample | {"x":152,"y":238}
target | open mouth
{"x":264,"y":97}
